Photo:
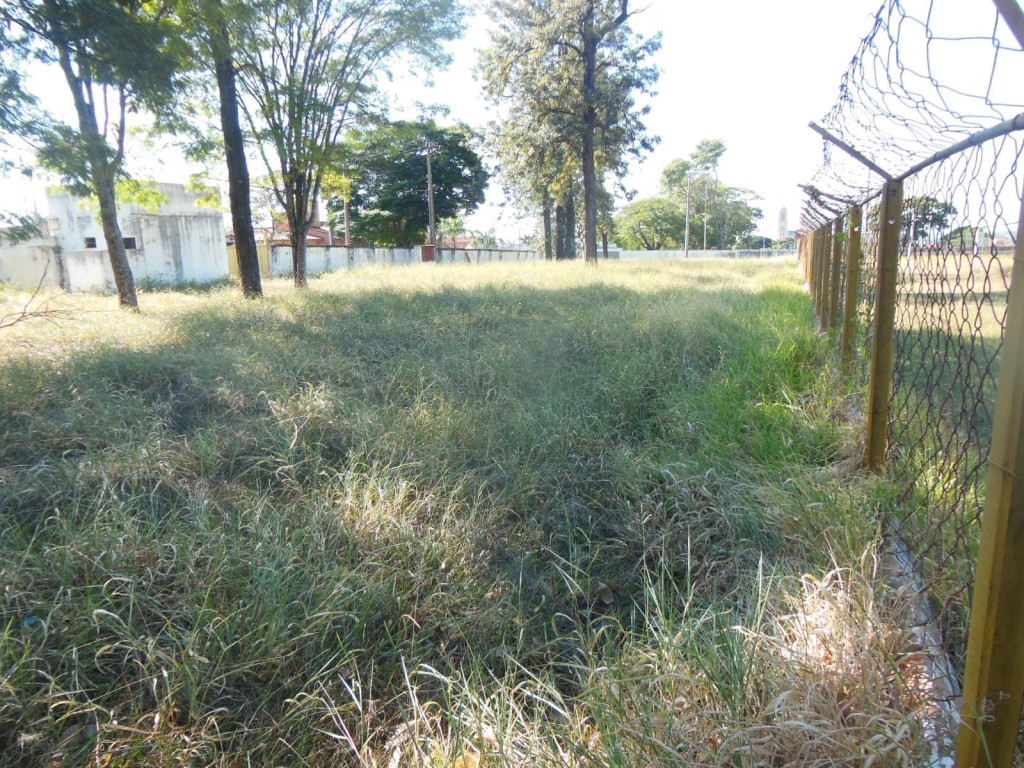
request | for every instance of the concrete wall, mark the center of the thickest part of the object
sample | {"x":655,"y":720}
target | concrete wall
{"x":181,"y":242}
{"x":31,"y":263}
{"x":179,"y":248}
{"x":695,"y":254}
{"x":485,"y":255}
{"x":320,"y":259}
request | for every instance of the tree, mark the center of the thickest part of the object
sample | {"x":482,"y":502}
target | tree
{"x":116,"y":56}
{"x":389,"y":189}
{"x":218,"y":32}
{"x":754,"y":242}
{"x":310,"y":68}
{"x":924,"y":217}
{"x":725,"y":214}
{"x":652,"y":224}
{"x":573,"y":67}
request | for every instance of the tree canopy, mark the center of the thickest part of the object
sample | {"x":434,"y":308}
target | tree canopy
{"x":117,"y":57}
{"x":720,"y":216}
{"x":569,"y":72}
{"x":652,"y":224}
{"x":311,"y":68}
{"x":388,"y":167}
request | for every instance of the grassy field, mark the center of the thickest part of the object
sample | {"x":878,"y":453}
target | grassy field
{"x":461,"y":516}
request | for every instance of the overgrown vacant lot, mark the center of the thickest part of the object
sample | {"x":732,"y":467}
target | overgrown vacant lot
{"x":541,"y":515}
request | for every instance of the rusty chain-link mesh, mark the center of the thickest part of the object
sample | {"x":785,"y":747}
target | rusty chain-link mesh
{"x":931,"y":74}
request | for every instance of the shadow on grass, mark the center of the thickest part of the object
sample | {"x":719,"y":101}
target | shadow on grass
{"x":341,"y":484}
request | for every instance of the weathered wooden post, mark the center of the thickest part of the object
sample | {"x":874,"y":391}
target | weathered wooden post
{"x":880,"y":390}
{"x":823,"y":272}
{"x":852,"y":287}
{"x":837,"y":263}
{"x":994,"y":679}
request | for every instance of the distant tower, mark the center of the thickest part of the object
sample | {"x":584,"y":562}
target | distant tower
{"x":783,"y":223}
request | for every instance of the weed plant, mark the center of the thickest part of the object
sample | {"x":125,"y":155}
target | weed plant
{"x":443,"y":516}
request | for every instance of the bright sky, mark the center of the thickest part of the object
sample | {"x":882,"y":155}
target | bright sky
{"x":749,"y":72}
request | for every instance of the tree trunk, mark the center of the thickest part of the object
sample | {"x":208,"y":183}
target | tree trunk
{"x":547,"y":227}
{"x":590,"y":41}
{"x":103,"y":182}
{"x":348,"y":225}
{"x":101,"y":174}
{"x":238,"y":168}
{"x":570,"y":227}
{"x":298,"y":222}
{"x":299,"y":227}
{"x":604,"y":243}
{"x":559,"y":233}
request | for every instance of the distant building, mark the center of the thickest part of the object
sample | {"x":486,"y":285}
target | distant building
{"x":179,"y":242}
{"x":783,"y":223}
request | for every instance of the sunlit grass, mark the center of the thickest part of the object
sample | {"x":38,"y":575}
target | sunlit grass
{"x":528,"y":515}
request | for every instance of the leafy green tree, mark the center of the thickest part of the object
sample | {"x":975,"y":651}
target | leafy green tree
{"x":753,"y":242}
{"x":116,"y":56}
{"x":652,"y":224}
{"x":724,"y":215}
{"x":572,"y":68}
{"x":924,"y":217}
{"x":217,"y":28}
{"x":389,"y":192}
{"x":310,"y":68}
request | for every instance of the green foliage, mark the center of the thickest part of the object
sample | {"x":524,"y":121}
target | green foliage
{"x":145,"y":194}
{"x":118,"y":56}
{"x":309,"y":67}
{"x":726,"y":213}
{"x":18,"y":227}
{"x":753,"y":242}
{"x":388,"y":200}
{"x":924,"y":217}
{"x":535,"y":67}
{"x":651,"y":224}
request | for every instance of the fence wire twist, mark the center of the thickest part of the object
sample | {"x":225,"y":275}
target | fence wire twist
{"x":931,"y":74}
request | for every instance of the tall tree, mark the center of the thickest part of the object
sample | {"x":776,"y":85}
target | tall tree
{"x":116,"y":56}
{"x":311,"y":68}
{"x":575,"y":67}
{"x":220,"y":38}
{"x":389,"y":193}
{"x":724,"y":214}
{"x":651,"y":224}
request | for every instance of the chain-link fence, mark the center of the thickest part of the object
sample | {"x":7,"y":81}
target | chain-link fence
{"x":910,"y":230}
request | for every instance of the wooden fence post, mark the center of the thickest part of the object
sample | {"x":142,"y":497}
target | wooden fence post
{"x":823,"y":274}
{"x":880,"y":390}
{"x":805,"y":249}
{"x":994,"y":679}
{"x":852,"y":287}
{"x":837,"y":263}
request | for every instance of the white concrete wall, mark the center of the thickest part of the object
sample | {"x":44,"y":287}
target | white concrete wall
{"x":182,"y":242}
{"x":89,"y":271}
{"x":180,"y":248}
{"x":30,"y":264}
{"x":486,"y":255}
{"x":695,"y":254}
{"x":320,"y":259}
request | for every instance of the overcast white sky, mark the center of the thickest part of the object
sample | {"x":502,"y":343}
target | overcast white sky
{"x":749,"y":72}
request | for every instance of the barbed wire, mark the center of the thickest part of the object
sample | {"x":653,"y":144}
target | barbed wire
{"x":930,"y":99}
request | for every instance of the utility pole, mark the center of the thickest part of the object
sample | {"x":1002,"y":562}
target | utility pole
{"x":686,"y":245}
{"x":430,"y":196}
{"x":705,"y":213}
